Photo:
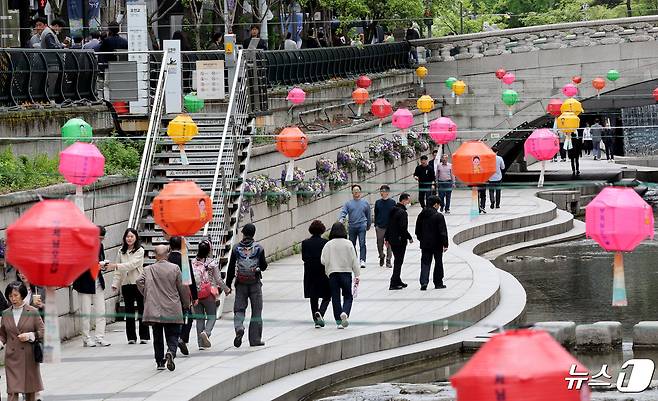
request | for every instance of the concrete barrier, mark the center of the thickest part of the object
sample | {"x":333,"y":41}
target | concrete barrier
{"x":562,"y":332}
{"x":615,"y":331}
{"x":645,"y":335}
{"x":591,"y":337}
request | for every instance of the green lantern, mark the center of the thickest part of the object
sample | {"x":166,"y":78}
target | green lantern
{"x":192,"y":103}
{"x":450,"y":81}
{"x":613,"y":75}
{"x":510,"y":98}
{"x":76,"y":130}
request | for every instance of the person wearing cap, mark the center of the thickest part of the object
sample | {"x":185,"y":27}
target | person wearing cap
{"x":383,"y":209}
{"x":246,"y":265}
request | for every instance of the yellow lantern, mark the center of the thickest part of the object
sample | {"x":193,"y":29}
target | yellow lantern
{"x":422,"y":73}
{"x":425,"y":104}
{"x":181,"y":130}
{"x":458,"y":88}
{"x":568,"y":122}
{"x":571,"y":105}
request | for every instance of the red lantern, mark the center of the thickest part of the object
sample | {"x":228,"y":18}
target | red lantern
{"x":522,"y":365}
{"x":473,"y":163}
{"x":554,"y":106}
{"x":655,"y":94}
{"x":363,"y":82}
{"x":577,"y":79}
{"x":292,"y":143}
{"x":500,"y":73}
{"x":381,"y":109}
{"x":598,"y":84}
{"x":360,"y":97}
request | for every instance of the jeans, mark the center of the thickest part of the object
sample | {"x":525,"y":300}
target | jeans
{"x":360,"y":232}
{"x":609,"y":149}
{"x":445,"y":193}
{"x":494,"y":193}
{"x":424,"y":192}
{"x":398,"y":253}
{"x":341,"y":282}
{"x":162,"y":332}
{"x":98,"y":313}
{"x":482,"y":195}
{"x":596,"y":146}
{"x":132,"y":296}
{"x":380,"y":231}
{"x":426,"y":256}
{"x":206,"y":315}
{"x":245,"y":294}
{"x":322,"y":308}
{"x":186,"y":327}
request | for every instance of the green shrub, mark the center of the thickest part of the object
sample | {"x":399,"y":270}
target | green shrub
{"x":122,"y":157}
{"x":18,"y":173}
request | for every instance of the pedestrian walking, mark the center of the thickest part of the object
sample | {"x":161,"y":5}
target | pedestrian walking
{"x":482,"y":198}
{"x":397,"y":235}
{"x":357,"y":211}
{"x":424,"y":174}
{"x":495,"y":181}
{"x":433,"y":166}
{"x":21,"y":368}
{"x":597,"y":132}
{"x":161,"y":284}
{"x":316,"y":282}
{"x":208,"y":284}
{"x":587,"y":140}
{"x":340,"y":263}
{"x":445,"y":182}
{"x":563,"y":151}
{"x":176,"y":257}
{"x":129,"y":266}
{"x":247,"y":264}
{"x":432,"y":233}
{"x":383,"y":207}
{"x":90,"y":291}
{"x":609,"y":141}
{"x":574,"y":151}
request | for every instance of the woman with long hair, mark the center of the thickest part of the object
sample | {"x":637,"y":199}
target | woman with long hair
{"x":316,"y":282}
{"x":129,"y":266}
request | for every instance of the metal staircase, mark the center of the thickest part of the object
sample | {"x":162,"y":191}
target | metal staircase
{"x":218,"y":159}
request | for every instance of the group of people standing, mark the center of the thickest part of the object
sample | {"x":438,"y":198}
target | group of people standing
{"x":590,"y":140}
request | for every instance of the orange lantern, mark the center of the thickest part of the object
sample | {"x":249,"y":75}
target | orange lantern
{"x":182,"y":209}
{"x":360,"y":97}
{"x":292,"y":143}
{"x":598,"y":83}
{"x":473,"y":163}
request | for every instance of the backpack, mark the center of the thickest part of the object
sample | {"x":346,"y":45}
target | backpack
{"x":204,"y":285}
{"x":246,"y":269}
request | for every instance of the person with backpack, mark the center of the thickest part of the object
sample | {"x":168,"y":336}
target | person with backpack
{"x":246,"y":265}
{"x":207,"y":277}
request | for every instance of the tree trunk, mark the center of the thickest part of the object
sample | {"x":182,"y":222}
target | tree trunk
{"x":629,"y":8}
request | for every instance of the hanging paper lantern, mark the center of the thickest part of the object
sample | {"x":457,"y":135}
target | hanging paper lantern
{"x":181,"y":130}
{"x":474,"y":163}
{"x":542,"y":144}
{"x":520,"y":365}
{"x":458,"y":88}
{"x":618,"y":219}
{"x":381,"y":109}
{"x":570,"y":90}
{"x":421,"y":72}
{"x":598,"y":84}
{"x":443,"y":130}
{"x":76,"y":129}
{"x":425,"y":104}
{"x":510,"y":98}
{"x":403,"y":119}
{"x":613,"y":75}
{"x":509,"y":78}
{"x":360,"y":97}
{"x":296,"y":96}
{"x":450,"y":81}
{"x":500,"y":73}
{"x":655,"y":94}
{"x":193,"y":103}
{"x":52,"y":244}
{"x":576,"y":79}
{"x":554,"y":106}
{"x":571,"y":105}
{"x":292,"y":143}
{"x":81,"y":164}
{"x":363,"y":82}
{"x":568,"y":122}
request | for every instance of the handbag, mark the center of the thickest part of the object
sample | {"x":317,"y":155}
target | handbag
{"x":205,"y":290}
{"x":37,"y":348}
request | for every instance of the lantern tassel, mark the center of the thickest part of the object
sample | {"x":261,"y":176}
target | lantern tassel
{"x":475,"y":207}
{"x":511,"y":113}
{"x":618,"y":282}
{"x":426,"y":123}
{"x":290,"y":170}
{"x":421,"y":83}
{"x":540,"y":184}
{"x":52,"y":350}
{"x":359,"y":111}
{"x":380,"y":130}
{"x":183,"y":156}
{"x":457,"y":101}
{"x":79,"y":198}
{"x":405,"y":141}
{"x":187,"y":278}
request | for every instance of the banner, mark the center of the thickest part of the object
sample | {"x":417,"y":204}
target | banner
{"x":138,"y":42}
{"x":76,"y":13}
{"x":174,"y":86}
{"x":94,"y":15}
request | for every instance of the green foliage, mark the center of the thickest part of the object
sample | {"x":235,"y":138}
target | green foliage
{"x":122,"y":157}
{"x":19,"y":173}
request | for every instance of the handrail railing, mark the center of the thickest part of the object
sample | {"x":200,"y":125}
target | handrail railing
{"x":149,"y":145}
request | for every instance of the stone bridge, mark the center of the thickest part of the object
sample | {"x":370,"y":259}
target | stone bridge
{"x":544,"y":58}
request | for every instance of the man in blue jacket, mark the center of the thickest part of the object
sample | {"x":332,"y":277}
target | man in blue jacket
{"x":357,"y":211}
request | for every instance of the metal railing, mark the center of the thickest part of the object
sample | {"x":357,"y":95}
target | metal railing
{"x":43,"y":77}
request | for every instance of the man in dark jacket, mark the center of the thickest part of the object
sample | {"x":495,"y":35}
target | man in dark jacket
{"x":432,"y":233}
{"x":397,"y":234}
{"x":255,"y":34}
{"x":424,"y":174}
{"x":383,"y":209}
{"x":246,"y":264}
{"x":90,"y":290}
{"x":176,"y":257}
{"x":112,"y":43}
{"x":316,"y":282}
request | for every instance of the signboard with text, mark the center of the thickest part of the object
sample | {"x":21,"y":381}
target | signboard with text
{"x":174,"y":87}
{"x":138,"y":42}
{"x":210,"y":79}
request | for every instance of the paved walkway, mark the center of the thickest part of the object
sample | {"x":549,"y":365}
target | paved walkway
{"x":127,"y":372}
{"x":588,"y":165}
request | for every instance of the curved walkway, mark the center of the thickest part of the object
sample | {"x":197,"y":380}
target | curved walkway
{"x":381,"y":320}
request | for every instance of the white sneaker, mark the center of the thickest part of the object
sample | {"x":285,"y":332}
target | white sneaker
{"x":343,"y":320}
{"x":339,"y":327}
{"x":101,"y":342}
{"x":88,"y":343}
{"x":363,"y":264}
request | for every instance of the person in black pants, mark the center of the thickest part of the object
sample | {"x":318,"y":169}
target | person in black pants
{"x":424,"y":174}
{"x":574,"y":153}
{"x":482,"y":199}
{"x":176,"y":257}
{"x":397,"y":235}
{"x":432,"y":233}
{"x":316,"y":282}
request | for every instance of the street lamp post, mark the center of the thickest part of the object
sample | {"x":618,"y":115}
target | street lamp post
{"x":461,"y":18}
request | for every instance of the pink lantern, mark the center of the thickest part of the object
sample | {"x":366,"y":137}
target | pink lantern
{"x":509,"y":78}
{"x":296,"y":96}
{"x":403,"y":119}
{"x":618,"y":219}
{"x":569,"y":90}
{"x":81,"y":164}
{"x":542,"y":144}
{"x":443,"y":130}
{"x":363,"y":82}
{"x":381,"y":109}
